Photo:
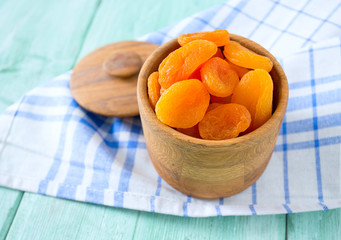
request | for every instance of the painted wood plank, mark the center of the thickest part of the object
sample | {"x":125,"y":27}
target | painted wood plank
{"x":128,"y":20}
{"x":50,"y":218}
{"x":36,"y":44}
{"x":9,"y":202}
{"x":39,"y":39}
{"x":315,"y":225}
{"x":157,"y":226}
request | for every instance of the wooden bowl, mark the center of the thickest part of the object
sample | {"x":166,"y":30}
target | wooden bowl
{"x":208,"y":168}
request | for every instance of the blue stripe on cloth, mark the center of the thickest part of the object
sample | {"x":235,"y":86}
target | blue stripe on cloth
{"x":128,"y":165}
{"x":202,"y":20}
{"x":306,"y":125}
{"x":316,"y":49}
{"x":233,"y":14}
{"x":74,"y":177}
{"x":158,"y":189}
{"x":221,"y":202}
{"x":322,"y":98}
{"x":315,"y":123}
{"x":264,"y":23}
{"x":185,"y":206}
{"x":309,"y":144}
{"x":254,"y":199}
{"x":252,"y":209}
{"x":318,"y":81}
{"x":323,"y":206}
{"x":322,"y":23}
{"x":284,"y":133}
{"x":260,"y":23}
{"x":308,"y":14}
{"x":152,"y":203}
{"x":51,"y":174}
{"x":285,"y":163}
{"x":56,"y":118}
{"x":71,"y":117}
{"x":287,"y":208}
{"x":157,"y":193}
{"x":51,"y":101}
{"x":292,"y":127}
{"x":157,"y":37}
{"x":217,"y":207}
{"x":184,"y":209}
{"x":289,"y":24}
{"x":254,"y":193}
{"x":103,"y":161}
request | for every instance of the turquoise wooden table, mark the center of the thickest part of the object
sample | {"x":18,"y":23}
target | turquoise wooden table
{"x":41,"y":39}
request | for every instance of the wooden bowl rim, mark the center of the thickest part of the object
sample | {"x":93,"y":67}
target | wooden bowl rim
{"x":277,"y":115}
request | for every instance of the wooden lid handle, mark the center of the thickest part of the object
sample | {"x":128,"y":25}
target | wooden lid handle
{"x":122,"y":64}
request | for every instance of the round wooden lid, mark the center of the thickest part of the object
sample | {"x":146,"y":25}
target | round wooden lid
{"x":105,"y":81}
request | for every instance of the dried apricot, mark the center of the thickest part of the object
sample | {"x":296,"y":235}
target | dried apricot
{"x":196,"y":74}
{"x":192,"y":131}
{"x":241,"y":56}
{"x":153,"y":89}
{"x":219,"y":79}
{"x":241,"y":71}
{"x":182,"y":62}
{"x":162,"y":90}
{"x":224,"y":122}
{"x":224,"y":100}
{"x":219,"y":37}
{"x":213,"y":106}
{"x":255,"y":91}
{"x":219,"y":54}
{"x":183,"y":104}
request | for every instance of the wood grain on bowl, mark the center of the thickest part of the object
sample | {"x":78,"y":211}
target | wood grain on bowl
{"x":208,"y":168}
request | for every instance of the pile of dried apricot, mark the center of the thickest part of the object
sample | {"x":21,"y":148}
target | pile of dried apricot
{"x":212,"y":87}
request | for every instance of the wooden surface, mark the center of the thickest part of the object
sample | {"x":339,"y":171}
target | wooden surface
{"x":205,"y":168}
{"x":41,"y":39}
{"x":100,"y":92}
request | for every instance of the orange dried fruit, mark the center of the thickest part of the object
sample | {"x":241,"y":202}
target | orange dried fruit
{"x":241,"y":71}
{"x":241,"y":56}
{"x":255,"y":92}
{"x":182,"y":62}
{"x":153,"y":89}
{"x":183,"y":105}
{"x":219,"y":54}
{"x":224,"y":122}
{"x":162,"y":90}
{"x":219,"y":37}
{"x":224,"y":100}
{"x":192,"y":131}
{"x":213,"y":106}
{"x":196,"y":74}
{"x":219,"y":79}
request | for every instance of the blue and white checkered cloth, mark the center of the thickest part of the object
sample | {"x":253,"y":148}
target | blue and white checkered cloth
{"x":49,"y":145}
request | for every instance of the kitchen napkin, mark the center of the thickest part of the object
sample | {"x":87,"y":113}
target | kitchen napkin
{"x":50,"y":145}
